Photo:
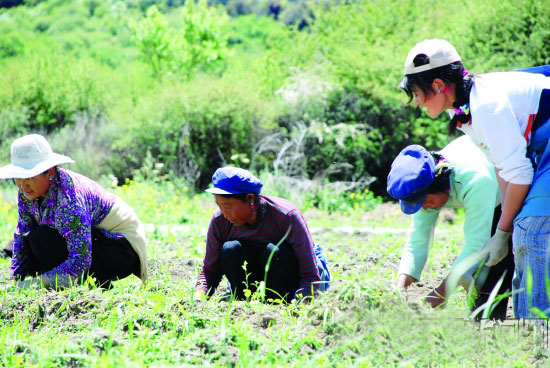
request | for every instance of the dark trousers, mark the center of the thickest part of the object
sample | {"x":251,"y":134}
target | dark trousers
{"x":111,"y":259}
{"x":495,"y":273}
{"x":282,"y":277}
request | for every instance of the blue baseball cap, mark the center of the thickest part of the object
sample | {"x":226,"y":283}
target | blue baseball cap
{"x":233,"y":180}
{"x":412,"y":172}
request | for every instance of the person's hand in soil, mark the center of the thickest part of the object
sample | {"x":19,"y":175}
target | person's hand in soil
{"x":437,"y":297}
{"x":404,"y":281}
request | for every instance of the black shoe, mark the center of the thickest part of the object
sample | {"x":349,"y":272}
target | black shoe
{"x":7,"y":252}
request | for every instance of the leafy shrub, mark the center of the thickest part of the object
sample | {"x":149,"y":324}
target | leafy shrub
{"x":359,"y":134}
{"x":198,"y":42}
{"x":85,"y":143}
{"x":305,"y":97}
{"x":297,"y":14}
{"x":153,"y":39}
{"x":380,"y":131}
{"x":253,"y":34}
{"x":188,"y":129}
{"x":44,"y":93}
{"x":320,"y":193}
{"x":11,"y":45}
{"x":239,"y":7}
{"x":510,"y":35}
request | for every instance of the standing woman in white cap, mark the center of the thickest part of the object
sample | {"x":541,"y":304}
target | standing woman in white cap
{"x":508,"y":116}
{"x":69,"y":226}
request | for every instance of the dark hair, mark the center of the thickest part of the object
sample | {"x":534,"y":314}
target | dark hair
{"x":451,"y":73}
{"x":442,"y":180}
{"x":441,"y":183}
{"x":240,"y":196}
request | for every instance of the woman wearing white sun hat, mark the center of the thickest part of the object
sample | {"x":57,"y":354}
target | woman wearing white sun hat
{"x":69,"y":226}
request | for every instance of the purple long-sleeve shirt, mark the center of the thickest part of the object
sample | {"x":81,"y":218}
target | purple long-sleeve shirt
{"x":73,"y":205}
{"x":276,"y":216}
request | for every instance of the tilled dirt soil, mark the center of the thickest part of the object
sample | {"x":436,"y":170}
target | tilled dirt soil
{"x":74,"y":314}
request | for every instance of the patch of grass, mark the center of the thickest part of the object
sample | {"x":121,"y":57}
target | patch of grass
{"x":8,"y":213}
{"x":359,"y":321}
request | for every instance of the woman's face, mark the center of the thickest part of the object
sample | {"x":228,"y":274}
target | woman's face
{"x":435,"y":201}
{"x":236,"y":211}
{"x":434,"y":103}
{"x":35,"y":187}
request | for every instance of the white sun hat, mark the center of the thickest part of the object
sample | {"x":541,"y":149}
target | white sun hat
{"x":439,"y":53}
{"x":31,"y":155}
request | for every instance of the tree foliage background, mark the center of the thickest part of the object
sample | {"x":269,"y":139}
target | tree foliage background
{"x":306,"y":88}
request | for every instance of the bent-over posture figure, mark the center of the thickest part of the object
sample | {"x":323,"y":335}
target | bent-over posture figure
{"x":69,"y":226}
{"x":247,"y":228}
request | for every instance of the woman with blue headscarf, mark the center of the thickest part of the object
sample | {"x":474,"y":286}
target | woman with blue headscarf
{"x":253,"y":237}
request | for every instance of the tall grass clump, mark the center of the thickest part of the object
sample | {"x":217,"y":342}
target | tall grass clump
{"x":8,"y":212}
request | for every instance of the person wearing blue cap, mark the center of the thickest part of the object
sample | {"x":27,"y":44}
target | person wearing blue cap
{"x":507,"y":115}
{"x":459,"y":176}
{"x":251,"y":233}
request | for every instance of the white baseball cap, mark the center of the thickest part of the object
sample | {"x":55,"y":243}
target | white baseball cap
{"x":439,"y":53}
{"x":31,"y":155}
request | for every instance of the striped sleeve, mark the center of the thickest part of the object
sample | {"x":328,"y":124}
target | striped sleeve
{"x":211,"y":273}
{"x":74,"y":223}
{"x":304,"y":249}
{"x":25,"y":223}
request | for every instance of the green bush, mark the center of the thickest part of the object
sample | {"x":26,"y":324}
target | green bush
{"x":192,"y":130}
{"x":250,"y":33}
{"x":85,"y":142}
{"x":11,"y":44}
{"x":48,"y":90}
{"x":197,"y":43}
{"x":320,"y":104}
{"x":363,"y":133}
{"x":298,"y":15}
{"x":510,"y":35}
{"x":239,"y":7}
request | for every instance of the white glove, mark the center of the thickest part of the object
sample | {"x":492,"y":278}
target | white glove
{"x":497,"y":247}
{"x":466,"y":281}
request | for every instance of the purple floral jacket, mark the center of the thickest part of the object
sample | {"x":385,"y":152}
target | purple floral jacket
{"x":73,"y":205}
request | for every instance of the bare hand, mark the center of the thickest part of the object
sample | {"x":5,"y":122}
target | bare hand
{"x":404,"y":281}
{"x":436,"y":298}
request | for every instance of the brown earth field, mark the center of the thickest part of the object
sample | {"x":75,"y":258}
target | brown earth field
{"x":334,"y":242}
{"x":350,"y":253}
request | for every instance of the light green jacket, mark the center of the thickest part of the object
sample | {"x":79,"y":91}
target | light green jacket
{"x":475,"y":188}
